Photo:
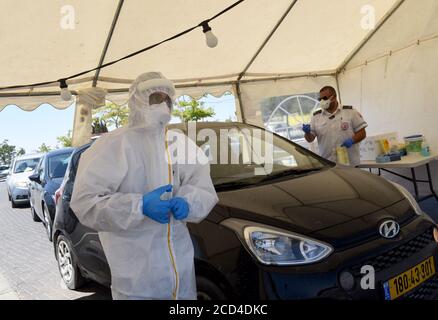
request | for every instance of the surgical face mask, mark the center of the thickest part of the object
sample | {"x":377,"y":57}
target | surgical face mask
{"x":325,"y":104}
{"x":156,"y":115}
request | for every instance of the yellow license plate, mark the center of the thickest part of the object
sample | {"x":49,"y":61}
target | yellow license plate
{"x":410,"y":279}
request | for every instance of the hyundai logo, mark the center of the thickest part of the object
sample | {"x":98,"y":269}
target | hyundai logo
{"x":389,"y":229}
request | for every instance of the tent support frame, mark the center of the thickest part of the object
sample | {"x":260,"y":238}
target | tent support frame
{"x":108,"y":40}
{"x":369,"y":36}
{"x":260,"y":49}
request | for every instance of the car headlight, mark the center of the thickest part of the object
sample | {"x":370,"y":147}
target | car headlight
{"x":274,"y":246}
{"x":21,"y":184}
{"x":412,"y":201}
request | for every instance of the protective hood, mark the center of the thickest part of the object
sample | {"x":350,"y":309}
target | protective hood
{"x":142,"y":87}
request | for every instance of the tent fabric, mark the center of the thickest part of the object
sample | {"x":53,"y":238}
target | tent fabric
{"x":392,"y":79}
{"x":255,"y":93}
{"x":315,"y":36}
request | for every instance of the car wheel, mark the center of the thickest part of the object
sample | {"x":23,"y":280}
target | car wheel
{"x":34,"y":215}
{"x":68,"y":269}
{"x":208,"y":290}
{"x":9,"y":197}
{"x":13,"y":204}
{"x":47,"y":221}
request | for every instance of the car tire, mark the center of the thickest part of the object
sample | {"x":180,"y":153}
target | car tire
{"x":47,"y":221}
{"x":13,"y":204}
{"x":208,"y":290}
{"x":9,"y":197}
{"x":67,"y":265}
{"x":34,"y":215}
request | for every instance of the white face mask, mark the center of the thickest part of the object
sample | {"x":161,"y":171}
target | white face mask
{"x":325,"y":104}
{"x":156,"y":115}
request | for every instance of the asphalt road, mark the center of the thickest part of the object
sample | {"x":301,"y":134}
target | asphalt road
{"x":28,"y":268}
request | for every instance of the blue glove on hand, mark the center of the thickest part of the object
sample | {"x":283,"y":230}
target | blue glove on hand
{"x":180,"y":208}
{"x":306,"y":128}
{"x":348,"y":143}
{"x":154,"y":207}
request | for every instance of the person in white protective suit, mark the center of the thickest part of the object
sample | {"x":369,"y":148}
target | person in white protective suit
{"x":127,"y":189}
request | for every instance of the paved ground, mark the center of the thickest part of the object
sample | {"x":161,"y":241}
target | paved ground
{"x":28,"y":268}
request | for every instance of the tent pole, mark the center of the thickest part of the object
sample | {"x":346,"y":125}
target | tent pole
{"x":108,"y":40}
{"x":267,"y":39}
{"x":260,"y":49}
{"x":239,"y":99}
{"x":337,"y":87}
{"x":370,"y":35}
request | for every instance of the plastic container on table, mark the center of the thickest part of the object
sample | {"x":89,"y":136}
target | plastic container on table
{"x":425,"y":149}
{"x":342,"y":156}
{"x":413,"y":143}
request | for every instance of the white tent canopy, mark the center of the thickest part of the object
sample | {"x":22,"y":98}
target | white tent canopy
{"x":266,"y":48}
{"x":41,"y":46}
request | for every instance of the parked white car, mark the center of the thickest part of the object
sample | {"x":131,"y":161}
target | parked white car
{"x":17,"y":181}
{"x":4,"y":170}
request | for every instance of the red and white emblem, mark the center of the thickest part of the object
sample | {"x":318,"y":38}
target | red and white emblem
{"x":344,"y":126}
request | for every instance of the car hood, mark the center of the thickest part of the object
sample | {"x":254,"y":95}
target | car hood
{"x":23,"y":176}
{"x":320,"y":204}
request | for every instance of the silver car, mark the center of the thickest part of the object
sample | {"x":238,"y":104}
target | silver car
{"x":17,"y":182}
{"x":4,"y":170}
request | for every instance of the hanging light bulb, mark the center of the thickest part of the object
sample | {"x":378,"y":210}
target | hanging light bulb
{"x":65,"y":93}
{"x":209,"y":36}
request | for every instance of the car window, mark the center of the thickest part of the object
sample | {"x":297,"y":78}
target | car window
{"x":37,"y":168}
{"x":25,"y":165}
{"x":58,"y":164}
{"x":40,"y":169}
{"x":238,"y":159}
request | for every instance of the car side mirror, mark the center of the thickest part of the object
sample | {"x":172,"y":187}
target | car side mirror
{"x":35,"y":178}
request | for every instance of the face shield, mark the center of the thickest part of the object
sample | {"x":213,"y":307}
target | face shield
{"x":155,"y":91}
{"x":151,"y":100}
{"x":159,"y":98}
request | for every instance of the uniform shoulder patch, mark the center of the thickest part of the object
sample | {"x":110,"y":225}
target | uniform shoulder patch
{"x":347,"y":107}
{"x":317,"y":112}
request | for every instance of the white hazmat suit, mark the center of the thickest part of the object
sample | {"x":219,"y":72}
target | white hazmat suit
{"x":147,"y":259}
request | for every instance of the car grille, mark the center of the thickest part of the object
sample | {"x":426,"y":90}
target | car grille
{"x":426,"y":291}
{"x":395,"y":255}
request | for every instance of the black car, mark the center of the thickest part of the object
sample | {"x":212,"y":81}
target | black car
{"x":309,"y":229}
{"x":44,"y":182}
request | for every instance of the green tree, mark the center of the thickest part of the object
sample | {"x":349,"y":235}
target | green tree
{"x":66,"y":140}
{"x":112,"y":115}
{"x":192,"y":110}
{"x":99,"y":126}
{"x":7,"y":152}
{"x":44,"y":148}
{"x":21,"y":152}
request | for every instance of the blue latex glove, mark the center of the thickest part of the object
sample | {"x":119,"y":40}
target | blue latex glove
{"x":154,"y":207}
{"x":348,"y":143}
{"x":306,"y":128}
{"x":180,"y":208}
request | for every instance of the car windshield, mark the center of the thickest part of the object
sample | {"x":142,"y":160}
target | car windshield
{"x":58,"y":165}
{"x":25,"y":165}
{"x":238,"y":154}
